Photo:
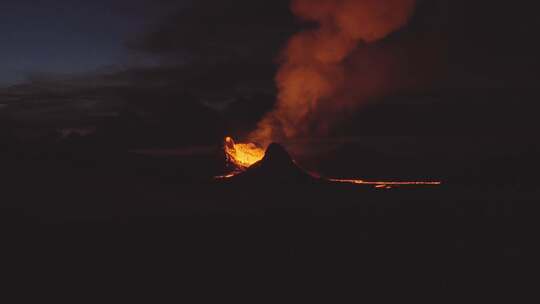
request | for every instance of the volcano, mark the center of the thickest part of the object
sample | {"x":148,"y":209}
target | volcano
{"x":276,"y":166}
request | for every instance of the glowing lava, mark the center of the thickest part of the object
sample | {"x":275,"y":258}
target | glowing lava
{"x":383,"y":184}
{"x":242,"y":155}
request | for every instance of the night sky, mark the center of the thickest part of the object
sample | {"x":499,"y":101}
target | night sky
{"x":61,"y":36}
{"x":72,"y":63}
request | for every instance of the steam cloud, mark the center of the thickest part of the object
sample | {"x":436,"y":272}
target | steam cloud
{"x":327,"y":69}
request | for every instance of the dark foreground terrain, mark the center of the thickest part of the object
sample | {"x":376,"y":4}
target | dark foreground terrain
{"x":142,"y":228}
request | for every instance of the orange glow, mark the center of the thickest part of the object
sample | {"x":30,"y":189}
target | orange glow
{"x":384,"y":184}
{"x":226,"y":176}
{"x":242,"y":155}
{"x":314,"y":70}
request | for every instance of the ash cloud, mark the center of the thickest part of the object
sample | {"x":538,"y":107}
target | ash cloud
{"x":320,"y":66}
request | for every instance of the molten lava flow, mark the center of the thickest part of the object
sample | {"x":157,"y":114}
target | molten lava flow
{"x":383,"y":184}
{"x":242,"y":155}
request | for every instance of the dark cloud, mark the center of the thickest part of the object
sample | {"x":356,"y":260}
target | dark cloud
{"x":221,"y":30}
{"x":224,"y":52}
{"x":487,"y":44}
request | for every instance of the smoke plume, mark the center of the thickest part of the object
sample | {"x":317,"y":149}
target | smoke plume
{"x":327,"y":69}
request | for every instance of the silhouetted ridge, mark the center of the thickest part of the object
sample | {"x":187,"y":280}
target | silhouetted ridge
{"x":276,"y":154}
